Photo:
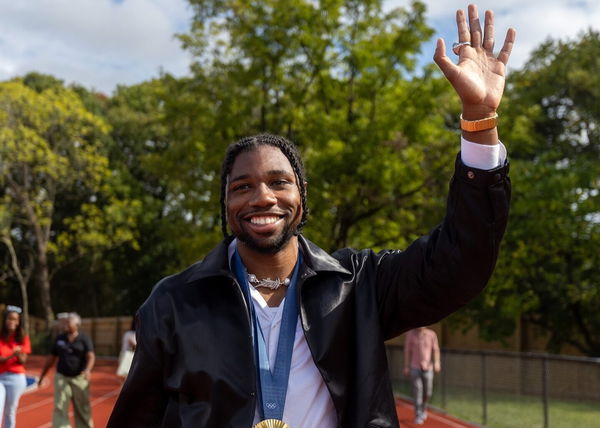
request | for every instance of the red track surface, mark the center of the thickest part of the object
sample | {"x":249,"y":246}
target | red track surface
{"x":406,"y":416}
{"x":35,"y":407}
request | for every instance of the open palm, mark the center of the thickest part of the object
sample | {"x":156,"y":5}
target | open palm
{"x":479,"y":76}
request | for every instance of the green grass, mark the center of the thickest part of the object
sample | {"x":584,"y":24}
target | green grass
{"x":512,"y":410}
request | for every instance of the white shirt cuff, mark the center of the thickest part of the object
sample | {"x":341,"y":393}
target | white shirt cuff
{"x":482,"y":156}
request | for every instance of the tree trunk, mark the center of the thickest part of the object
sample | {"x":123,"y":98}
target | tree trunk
{"x":42,"y":236}
{"x":22,"y":281}
{"x":43,"y":284}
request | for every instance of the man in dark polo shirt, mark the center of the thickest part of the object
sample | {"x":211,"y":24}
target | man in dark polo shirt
{"x":75,"y":354}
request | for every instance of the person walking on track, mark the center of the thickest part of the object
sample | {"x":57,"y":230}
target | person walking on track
{"x":75,"y":354}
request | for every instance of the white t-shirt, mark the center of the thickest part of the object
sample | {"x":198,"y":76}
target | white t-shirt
{"x":307,"y":403}
{"x":128,"y":343}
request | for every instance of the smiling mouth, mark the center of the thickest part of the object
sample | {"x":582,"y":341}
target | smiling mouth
{"x":264,"y":219}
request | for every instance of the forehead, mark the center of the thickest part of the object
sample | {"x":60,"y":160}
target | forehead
{"x":13,"y":315}
{"x":261,"y":159}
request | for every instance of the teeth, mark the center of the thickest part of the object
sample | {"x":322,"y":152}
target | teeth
{"x":263,"y":220}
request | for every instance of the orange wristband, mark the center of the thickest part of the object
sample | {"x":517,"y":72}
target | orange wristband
{"x":479,"y":125}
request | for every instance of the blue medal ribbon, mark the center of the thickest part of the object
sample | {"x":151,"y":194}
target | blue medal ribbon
{"x":272,"y":384}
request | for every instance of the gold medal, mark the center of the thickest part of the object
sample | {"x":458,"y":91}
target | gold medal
{"x":271,"y":423}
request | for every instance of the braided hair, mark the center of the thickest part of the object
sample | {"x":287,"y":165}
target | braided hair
{"x":248,"y":144}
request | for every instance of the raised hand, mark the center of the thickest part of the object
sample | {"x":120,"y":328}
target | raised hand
{"x":479,"y":76}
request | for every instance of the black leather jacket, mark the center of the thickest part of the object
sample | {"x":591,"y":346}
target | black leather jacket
{"x":193,"y":366}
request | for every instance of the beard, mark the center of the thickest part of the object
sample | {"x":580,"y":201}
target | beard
{"x":267,"y":245}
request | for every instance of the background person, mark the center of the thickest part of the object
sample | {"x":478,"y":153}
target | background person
{"x":14,"y":347}
{"x":62,"y":321}
{"x":75,"y":354}
{"x":421,"y":359}
{"x":128,"y":344}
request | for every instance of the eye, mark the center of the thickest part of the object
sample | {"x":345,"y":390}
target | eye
{"x":279,"y":183}
{"x":239,"y":187}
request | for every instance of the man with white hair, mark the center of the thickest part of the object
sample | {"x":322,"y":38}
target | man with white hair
{"x":75,"y":354}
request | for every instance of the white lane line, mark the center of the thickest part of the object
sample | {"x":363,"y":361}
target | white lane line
{"x":39,"y":403}
{"x":92,"y":404}
{"x":105,"y":396}
{"x":35,"y":405}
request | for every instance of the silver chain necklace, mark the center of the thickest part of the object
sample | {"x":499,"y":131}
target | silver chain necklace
{"x":272,"y":284}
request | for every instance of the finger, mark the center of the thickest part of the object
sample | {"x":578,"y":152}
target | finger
{"x":463,"y":29}
{"x":488,"y":35}
{"x":475,"y":26}
{"x":508,"y":45}
{"x":444,"y":63}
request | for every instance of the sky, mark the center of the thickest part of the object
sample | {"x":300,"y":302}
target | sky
{"x":103,"y":43}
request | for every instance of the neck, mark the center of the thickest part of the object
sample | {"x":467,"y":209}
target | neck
{"x":278,"y":265}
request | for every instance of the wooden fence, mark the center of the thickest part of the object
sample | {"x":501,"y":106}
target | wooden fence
{"x":106,"y":333}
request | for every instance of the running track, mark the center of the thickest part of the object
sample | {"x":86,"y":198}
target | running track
{"x":35,"y":408}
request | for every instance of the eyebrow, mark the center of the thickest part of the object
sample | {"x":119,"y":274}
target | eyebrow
{"x":273,"y":172}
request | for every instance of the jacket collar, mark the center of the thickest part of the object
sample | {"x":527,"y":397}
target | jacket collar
{"x":318,"y":259}
{"x":216,"y":261}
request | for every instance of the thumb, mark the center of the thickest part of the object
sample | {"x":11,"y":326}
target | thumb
{"x":444,"y":63}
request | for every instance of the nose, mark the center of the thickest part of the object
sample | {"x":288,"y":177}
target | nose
{"x":263,"y":196}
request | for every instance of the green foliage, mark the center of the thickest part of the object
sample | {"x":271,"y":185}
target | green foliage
{"x":41,"y":342}
{"x":40,"y":82}
{"x":548,"y":271}
{"x":61,"y":200}
{"x":335,"y":77}
{"x":140,"y":137}
{"x":111,"y":194}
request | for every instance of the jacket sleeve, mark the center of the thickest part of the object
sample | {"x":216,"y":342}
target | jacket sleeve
{"x":441,"y":272}
{"x":143,"y":399}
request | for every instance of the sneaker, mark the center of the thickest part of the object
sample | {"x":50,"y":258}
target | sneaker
{"x":419,"y":420}
{"x":424,"y":416}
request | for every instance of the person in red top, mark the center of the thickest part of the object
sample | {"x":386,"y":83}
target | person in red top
{"x":421,"y":359}
{"x":14,"y":347}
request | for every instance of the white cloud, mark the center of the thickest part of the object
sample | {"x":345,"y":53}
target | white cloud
{"x":534,"y":20}
{"x":102,"y":43}
{"x":96,"y":43}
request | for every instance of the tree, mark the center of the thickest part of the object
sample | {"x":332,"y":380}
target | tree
{"x":337,"y":78}
{"x":20,"y":270}
{"x":51,"y":157}
{"x":548,"y":270}
{"x":140,"y":136}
